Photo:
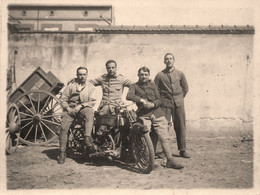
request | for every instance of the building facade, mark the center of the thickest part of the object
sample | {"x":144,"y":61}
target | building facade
{"x":58,"y":18}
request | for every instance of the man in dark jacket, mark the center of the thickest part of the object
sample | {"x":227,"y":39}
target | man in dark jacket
{"x":173,"y":87}
{"x":147,"y":98}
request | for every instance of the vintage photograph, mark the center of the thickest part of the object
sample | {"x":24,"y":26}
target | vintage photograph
{"x":112,"y":95}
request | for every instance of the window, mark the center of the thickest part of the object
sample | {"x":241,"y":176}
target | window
{"x":85,"y":27}
{"x":25,"y":27}
{"x":51,"y":27}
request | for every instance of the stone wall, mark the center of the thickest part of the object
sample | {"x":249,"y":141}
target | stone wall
{"x":218,"y":67}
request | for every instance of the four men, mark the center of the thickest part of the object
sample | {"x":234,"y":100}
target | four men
{"x":78,"y":98}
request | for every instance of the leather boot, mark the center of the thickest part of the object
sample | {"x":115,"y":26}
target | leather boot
{"x":90,"y":148}
{"x":166,"y":148}
{"x":88,"y":141}
{"x":168,"y":153}
{"x":184,"y":154}
{"x":61,"y":158}
{"x":172,"y":164}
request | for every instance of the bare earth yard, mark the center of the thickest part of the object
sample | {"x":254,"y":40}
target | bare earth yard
{"x":221,"y":162}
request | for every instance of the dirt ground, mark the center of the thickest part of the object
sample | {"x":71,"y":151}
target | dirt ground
{"x":224,"y":162}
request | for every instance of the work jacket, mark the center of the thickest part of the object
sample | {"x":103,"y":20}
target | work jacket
{"x":172,"y":87}
{"x":75,"y":94}
{"x":147,"y":91}
{"x":112,"y":87}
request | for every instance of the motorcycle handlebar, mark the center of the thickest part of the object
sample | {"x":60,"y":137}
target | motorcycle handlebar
{"x":119,"y":104}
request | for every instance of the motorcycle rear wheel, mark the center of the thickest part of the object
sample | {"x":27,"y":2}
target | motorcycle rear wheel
{"x":143,"y":152}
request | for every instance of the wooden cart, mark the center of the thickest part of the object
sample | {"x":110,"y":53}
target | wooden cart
{"x":34,"y":111}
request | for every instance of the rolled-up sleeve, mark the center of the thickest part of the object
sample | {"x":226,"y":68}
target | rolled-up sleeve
{"x":127,"y":82}
{"x":97,"y":81}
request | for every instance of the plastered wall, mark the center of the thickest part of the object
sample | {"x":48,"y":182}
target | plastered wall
{"x":218,"y":67}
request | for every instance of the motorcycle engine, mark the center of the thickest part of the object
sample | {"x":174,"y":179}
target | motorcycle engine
{"x":76,"y":139}
{"x":101,"y":130}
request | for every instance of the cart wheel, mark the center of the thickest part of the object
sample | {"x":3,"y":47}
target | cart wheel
{"x":40,"y":117}
{"x":12,"y":129}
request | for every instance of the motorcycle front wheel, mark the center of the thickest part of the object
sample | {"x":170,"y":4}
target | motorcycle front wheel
{"x":143,"y":151}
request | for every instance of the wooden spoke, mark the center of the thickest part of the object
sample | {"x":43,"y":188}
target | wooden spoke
{"x":31,"y":103}
{"x":26,"y":125}
{"x":52,"y":122}
{"x":35,"y":136}
{"x":16,"y":119}
{"x":13,"y":132}
{"x":26,"y":119}
{"x":38,"y":106}
{"x":45,"y":104}
{"x":48,"y":128}
{"x":53,"y":115}
{"x":42,"y":131}
{"x":28,"y":132}
{"x":54,"y":106}
{"x":25,"y":107}
{"x":26,"y":114}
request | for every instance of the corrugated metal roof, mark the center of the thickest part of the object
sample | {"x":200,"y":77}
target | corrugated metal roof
{"x":173,"y":29}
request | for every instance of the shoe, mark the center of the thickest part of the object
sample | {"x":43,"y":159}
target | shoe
{"x":159,"y":155}
{"x":88,"y":141}
{"x":61,"y":158}
{"x":184,"y":154}
{"x":90,"y":148}
{"x":172,"y":164}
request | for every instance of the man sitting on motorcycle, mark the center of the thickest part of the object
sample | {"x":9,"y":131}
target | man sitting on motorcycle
{"x":148,"y":100}
{"x":112,"y":85}
{"x":77,"y":99}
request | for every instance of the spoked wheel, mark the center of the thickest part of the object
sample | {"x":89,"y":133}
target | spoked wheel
{"x":143,"y":151}
{"x":12,"y":129}
{"x":40,"y":117}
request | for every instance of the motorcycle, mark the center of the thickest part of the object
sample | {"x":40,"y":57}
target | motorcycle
{"x":119,"y":136}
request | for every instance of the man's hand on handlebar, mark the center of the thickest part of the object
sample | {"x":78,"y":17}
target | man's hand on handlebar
{"x":71,"y":111}
{"x":77,"y":108}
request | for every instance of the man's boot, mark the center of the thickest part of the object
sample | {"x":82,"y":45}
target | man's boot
{"x":89,"y":144}
{"x":168,"y":153}
{"x":172,"y":164}
{"x":61,"y":158}
{"x":184,"y":154}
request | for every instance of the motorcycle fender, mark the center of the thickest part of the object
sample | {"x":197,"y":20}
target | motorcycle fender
{"x":140,"y":128}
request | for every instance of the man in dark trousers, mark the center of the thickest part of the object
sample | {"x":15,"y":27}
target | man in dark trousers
{"x":173,"y":87}
{"x":147,"y":98}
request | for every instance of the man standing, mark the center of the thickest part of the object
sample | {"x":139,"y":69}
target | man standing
{"x":173,"y":87}
{"x":77,"y":98}
{"x":112,"y":85}
{"x":147,"y":98}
